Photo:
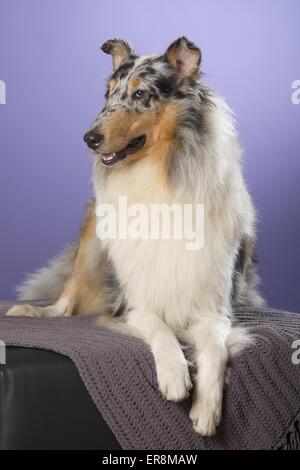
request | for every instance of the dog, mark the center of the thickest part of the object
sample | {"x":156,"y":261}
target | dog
{"x":163,"y":136}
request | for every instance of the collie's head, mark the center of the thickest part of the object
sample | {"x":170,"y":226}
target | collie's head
{"x":154,"y":106}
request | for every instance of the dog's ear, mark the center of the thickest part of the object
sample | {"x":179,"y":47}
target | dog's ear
{"x":184,"y":57}
{"x":119,"y":49}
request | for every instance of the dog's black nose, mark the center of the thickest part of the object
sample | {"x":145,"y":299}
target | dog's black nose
{"x":93,"y":139}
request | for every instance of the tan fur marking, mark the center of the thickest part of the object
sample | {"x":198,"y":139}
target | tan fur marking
{"x":111,"y":84}
{"x":84,"y":291}
{"x":159,"y":127}
{"x":133,"y":84}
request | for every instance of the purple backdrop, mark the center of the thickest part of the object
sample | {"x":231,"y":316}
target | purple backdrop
{"x":55,"y":75}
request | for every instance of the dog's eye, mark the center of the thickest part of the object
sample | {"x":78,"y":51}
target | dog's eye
{"x":139,"y":94}
{"x":166,"y":90}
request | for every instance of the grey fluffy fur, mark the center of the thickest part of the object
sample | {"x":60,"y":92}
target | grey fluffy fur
{"x":46,"y":283}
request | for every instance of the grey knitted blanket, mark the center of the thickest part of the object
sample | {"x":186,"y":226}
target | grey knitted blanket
{"x":261,"y":403}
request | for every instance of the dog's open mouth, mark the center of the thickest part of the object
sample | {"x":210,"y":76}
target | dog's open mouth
{"x":134,"y":145}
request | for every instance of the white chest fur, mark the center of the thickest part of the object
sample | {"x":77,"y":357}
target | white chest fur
{"x":161,"y":275}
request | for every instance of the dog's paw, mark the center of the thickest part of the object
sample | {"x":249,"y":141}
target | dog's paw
{"x":26,"y":310}
{"x":174,"y":379}
{"x":205,"y":416}
{"x":19,"y":311}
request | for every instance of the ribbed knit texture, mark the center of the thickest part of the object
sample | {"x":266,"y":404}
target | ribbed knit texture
{"x":261,"y":408}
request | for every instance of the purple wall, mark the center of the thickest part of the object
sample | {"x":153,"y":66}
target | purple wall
{"x":54,"y":74}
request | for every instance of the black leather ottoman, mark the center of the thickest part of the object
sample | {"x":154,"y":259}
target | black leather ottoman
{"x":44,"y":405}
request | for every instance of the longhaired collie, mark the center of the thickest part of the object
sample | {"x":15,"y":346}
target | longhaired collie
{"x":164,"y":138}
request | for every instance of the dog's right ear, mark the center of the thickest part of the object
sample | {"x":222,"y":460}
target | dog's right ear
{"x":119,"y":49}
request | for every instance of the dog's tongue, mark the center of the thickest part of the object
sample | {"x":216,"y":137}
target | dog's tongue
{"x":108,"y":156}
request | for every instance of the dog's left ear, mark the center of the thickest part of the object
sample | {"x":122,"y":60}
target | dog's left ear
{"x":184,"y":57}
{"x":119,"y":49}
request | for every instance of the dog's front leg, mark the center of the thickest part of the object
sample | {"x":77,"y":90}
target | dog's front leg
{"x":171,"y":366}
{"x":209,"y":335}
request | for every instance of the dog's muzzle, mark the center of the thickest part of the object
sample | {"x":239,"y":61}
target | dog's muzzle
{"x":133,"y":146}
